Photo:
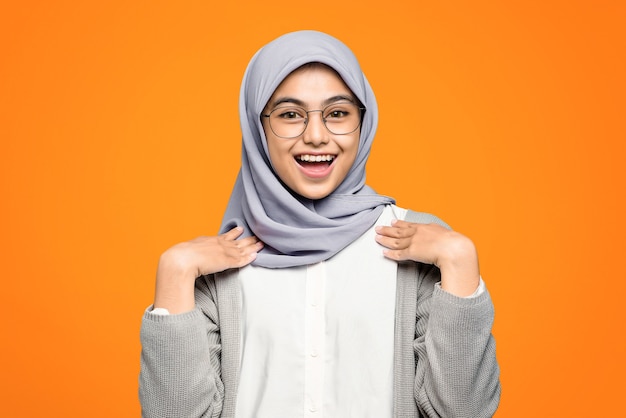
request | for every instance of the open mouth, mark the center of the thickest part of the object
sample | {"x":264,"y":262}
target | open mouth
{"x":313,"y":161}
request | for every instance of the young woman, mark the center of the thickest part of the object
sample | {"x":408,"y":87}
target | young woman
{"x":319,"y":298}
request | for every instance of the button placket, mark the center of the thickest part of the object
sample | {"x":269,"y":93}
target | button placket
{"x":314,"y":339}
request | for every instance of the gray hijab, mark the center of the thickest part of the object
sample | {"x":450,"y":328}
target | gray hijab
{"x":298,"y":231}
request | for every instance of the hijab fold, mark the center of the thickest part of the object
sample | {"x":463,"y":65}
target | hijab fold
{"x":298,"y":231}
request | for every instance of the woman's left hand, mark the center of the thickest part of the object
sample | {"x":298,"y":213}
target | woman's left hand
{"x":453,"y":253}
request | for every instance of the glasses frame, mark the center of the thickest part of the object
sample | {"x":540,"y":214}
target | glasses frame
{"x":306,"y":120}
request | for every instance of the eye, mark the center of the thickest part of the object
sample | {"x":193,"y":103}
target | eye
{"x":339,"y":111}
{"x":288,"y":115}
{"x":337,"y":114}
{"x":291,"y":114}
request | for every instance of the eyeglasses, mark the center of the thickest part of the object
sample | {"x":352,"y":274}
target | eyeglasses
{"x":340,"y":118}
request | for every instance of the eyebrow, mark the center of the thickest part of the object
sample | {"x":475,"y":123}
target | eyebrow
{"x":300,"y":103}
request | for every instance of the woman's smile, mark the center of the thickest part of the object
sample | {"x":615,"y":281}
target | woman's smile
{"x":314,"y":163}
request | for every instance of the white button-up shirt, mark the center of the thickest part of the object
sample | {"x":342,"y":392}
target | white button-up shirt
{"x":317,"y":340}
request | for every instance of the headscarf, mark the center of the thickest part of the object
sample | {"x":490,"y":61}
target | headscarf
{"x":298,"y":231}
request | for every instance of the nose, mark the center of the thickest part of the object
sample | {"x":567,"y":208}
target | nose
{"x":315,"y":132}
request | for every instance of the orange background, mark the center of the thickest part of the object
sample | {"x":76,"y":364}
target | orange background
{"x":120,"y":137}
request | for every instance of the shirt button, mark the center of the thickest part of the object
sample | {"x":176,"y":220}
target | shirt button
{"x":314,"y":353}
{"x":312,"y":408}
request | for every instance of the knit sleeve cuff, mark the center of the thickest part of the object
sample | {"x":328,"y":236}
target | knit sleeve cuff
{"x":479,"y":296}
{"x":458,"y":314}
{"x":149,"y":315}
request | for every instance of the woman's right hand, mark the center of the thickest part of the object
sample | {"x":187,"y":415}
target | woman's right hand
{"x":182,"y":264}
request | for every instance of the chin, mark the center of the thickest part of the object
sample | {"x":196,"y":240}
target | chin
{"x":314,"y":194}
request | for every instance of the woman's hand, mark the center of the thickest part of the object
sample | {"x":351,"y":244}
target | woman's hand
{"x":453,"y":253}
{"x":182,"y":264}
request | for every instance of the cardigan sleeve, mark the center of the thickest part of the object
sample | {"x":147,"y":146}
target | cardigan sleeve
{"x":180,"y":360}
{"x":457,"y":373}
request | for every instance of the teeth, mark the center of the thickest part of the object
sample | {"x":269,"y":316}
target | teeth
{"x":315,"y":158}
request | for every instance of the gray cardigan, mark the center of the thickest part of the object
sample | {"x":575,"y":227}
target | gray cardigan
{"x":444,"y":365}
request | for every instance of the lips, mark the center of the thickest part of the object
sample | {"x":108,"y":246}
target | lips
{"x":315,"y":165}
{"x":314,"y":158}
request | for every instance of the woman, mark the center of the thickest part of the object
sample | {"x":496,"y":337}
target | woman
{"x":319,"y":297}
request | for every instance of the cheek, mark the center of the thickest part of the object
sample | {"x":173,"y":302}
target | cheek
{"x":351,"y":149}
{"x":280,"y":158}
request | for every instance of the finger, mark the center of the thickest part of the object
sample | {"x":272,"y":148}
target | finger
{"x":249,"y":259}
{"x":393,"y":243}
{"x":233,"y":233}
{"x":242,"y":248}
{"x":245,"y":257}
{"x":399,"y":223}
{"x":247,"y":242}
{"x":396,"y":232}
{"x":397,"y":255}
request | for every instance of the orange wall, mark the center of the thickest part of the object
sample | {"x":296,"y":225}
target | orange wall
{"x":120,"y":137}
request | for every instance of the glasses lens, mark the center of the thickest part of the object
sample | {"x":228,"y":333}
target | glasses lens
{"x":288,"y":121}
{"x":340,"y":118}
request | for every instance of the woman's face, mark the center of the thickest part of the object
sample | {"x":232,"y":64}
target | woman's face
{"x":312,"y":87}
